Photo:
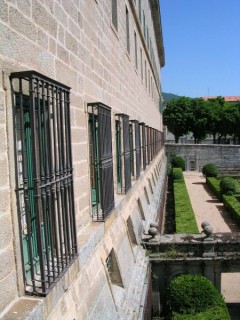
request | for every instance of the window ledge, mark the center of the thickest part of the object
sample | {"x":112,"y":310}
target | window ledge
{"x":25,"y":308}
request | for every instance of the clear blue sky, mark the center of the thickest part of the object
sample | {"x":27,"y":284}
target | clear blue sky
{"x":202,"y":47}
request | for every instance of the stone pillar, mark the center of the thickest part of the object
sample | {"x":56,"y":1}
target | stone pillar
{"x":209,"y":270}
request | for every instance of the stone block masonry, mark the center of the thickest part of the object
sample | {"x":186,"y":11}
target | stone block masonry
{"x":76,"y":44}
{"x":226,"y":157}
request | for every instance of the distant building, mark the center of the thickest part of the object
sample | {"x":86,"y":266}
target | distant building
{"x":82,"y":162}
{"x":229,"y":99}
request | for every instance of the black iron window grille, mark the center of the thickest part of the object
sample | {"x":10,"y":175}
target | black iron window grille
{"x":157,"y":141}
{"x":44,"y":179}
{"x":151,"y":144}
{"x":135,"y":148}
{"x":154,"y":143}
{"x":101,"y":162}
{"x":148,"y":145}
{"x":123,"y":153}
{"x":161,"y":140}
{"x":131,"y":145}
{"x":143,"y":144}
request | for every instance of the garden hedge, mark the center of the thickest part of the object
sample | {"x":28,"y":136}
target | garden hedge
{"x":178,"y":162}
{"x":210,"y":170}
{"x":232,"y":205}
{"x":195,"y":297}
{"x":184,"y":215}
{"x":228,"y":185}
{"x":214,"y":185}
{"x":177,"y":174}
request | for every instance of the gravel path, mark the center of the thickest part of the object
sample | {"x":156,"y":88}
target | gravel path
{"x":208,"y":208}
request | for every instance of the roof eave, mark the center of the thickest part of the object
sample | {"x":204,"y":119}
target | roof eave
{"x":156,"y":15}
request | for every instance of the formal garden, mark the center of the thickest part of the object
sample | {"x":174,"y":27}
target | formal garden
{"x":193,"y":296}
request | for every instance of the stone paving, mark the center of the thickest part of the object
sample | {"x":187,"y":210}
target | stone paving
{"x":208,"y":208}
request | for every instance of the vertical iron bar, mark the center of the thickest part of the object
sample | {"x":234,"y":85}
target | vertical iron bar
{"x":36,"y":180}
{"x":126,"y":151}
{"x":137,"y":148}
{"x":61,"y":171}
{"x":26,"y":187}
{"x":57,"y":169}
{"x":143,"y":146}
{"x":42,"y":150}
{"x":51,"y":189}
{"x":69,"y":172}
{"x":64,"y":179}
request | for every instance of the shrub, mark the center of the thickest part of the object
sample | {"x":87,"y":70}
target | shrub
{"x":178,"y":162}
{"x":215,"y":313}
{"x":194,"y":294}
{"x":177,"y":174}
{"x":214,"y":185}
{"x":210,"y":170}
{"x":233,"y":207}
{"x":228,"y":186}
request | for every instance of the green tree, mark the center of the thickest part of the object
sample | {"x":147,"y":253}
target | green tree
{"x":176,"y":116}
{"x":214,"y":109}
{"x":231,"y":121}
{"x":198,"y":119}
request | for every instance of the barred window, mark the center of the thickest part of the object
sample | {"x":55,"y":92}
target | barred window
{"x":135,"y":46}
{"x":135,"y":150}
{"x":143,"y":145}
{"x":148,"y":141}
{"x":123,"y":153}
{"x":101,"y":163}
{"x":141,"y":63}
{"x":145,"y":74}
{"x":44,"y":178}
{"x":127,"y":31}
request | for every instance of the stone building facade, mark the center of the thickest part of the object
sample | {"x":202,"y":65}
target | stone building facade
{"x":82,"y":163}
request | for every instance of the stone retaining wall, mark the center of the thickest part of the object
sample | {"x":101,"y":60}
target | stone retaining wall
{"x":226,"y":157}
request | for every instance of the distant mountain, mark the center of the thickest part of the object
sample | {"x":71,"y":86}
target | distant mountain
{"x":169,"y":96}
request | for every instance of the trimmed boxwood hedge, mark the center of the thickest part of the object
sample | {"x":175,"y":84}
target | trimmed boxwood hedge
{"x":210,"y":170}
{"x":233,"y":207}
{"x":215,"y":313}
{"x":228,"y":185}
{"x":177,"y":174}
{"x":231,"y":203}
{"x":184,"y":215}
{"x":195,"y":297}
{"x":214,"y":185}
{"x":178,"y":162}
